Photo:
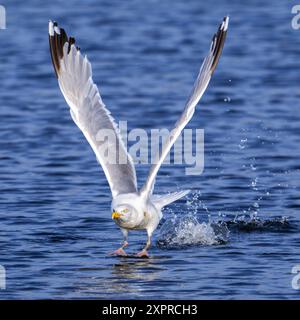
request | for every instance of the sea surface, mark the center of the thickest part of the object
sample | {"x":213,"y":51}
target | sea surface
{"x":236,"y":235}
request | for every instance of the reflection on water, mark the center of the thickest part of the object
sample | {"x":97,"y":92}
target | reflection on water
{"x":144,"y":269}
{"x":128,"y":275}
{"x":131,"y":276}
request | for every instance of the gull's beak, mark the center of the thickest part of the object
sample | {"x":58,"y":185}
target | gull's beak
{"x":116,"y":215}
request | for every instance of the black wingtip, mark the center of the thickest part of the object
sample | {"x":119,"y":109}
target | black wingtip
{"x":218,"y":42}
{"x":57,"y":39}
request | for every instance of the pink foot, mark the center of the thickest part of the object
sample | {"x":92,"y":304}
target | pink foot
{"x":142,"y":254}
{"x":119,"y":252}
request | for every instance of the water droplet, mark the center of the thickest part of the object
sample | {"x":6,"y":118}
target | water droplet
{"x":254,"y":183}
{"x":243,"y":143}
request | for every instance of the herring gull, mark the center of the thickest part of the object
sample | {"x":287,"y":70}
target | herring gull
{"x":132,"y":209}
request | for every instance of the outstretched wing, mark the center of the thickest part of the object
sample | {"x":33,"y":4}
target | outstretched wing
{"x":88,"y":111}
{"x":204,"y":76}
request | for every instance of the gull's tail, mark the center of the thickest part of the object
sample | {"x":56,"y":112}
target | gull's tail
{"x":165,"y":199}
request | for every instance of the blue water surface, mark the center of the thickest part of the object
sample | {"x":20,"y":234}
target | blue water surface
{"x":55,"y":220}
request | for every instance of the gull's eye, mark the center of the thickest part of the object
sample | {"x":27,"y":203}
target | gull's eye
{"x":125,"y":211}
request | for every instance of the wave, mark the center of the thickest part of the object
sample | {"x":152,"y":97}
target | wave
{"x":250,"y":224}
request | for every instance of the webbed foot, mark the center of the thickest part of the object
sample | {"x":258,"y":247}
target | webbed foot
{"x":142,"y":254}
{"x":119,"y":252}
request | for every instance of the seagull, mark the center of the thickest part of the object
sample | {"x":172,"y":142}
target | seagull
{"x":132,"y":209}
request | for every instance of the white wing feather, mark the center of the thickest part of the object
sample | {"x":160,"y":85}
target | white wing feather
{"x":204,"y":76}
{"x":88,"y":111}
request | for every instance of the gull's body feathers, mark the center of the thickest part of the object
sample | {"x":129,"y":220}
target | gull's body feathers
{"x":148,"y":214}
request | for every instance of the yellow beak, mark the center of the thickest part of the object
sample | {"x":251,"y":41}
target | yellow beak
{"x":116,"y":215}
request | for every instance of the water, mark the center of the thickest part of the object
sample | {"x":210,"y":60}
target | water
{"x":236,"y":236}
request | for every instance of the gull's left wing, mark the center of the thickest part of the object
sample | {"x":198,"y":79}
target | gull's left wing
{"x":88,"y":111}
{"x":204,"y":76}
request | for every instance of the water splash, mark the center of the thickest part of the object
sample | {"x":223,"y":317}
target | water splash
{"x":195,"y":203}
{"x":181,"y":230}
{"x":188,"y":230}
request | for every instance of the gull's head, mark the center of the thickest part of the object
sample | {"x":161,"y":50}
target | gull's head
{"x":122,"y":213}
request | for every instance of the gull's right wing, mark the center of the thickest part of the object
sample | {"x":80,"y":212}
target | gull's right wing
{"x":204,"y":76}
{"x":88,"y":111}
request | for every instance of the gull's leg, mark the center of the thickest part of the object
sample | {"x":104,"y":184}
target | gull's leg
{"x":144,"y":252}
{"x":120,"y":251}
